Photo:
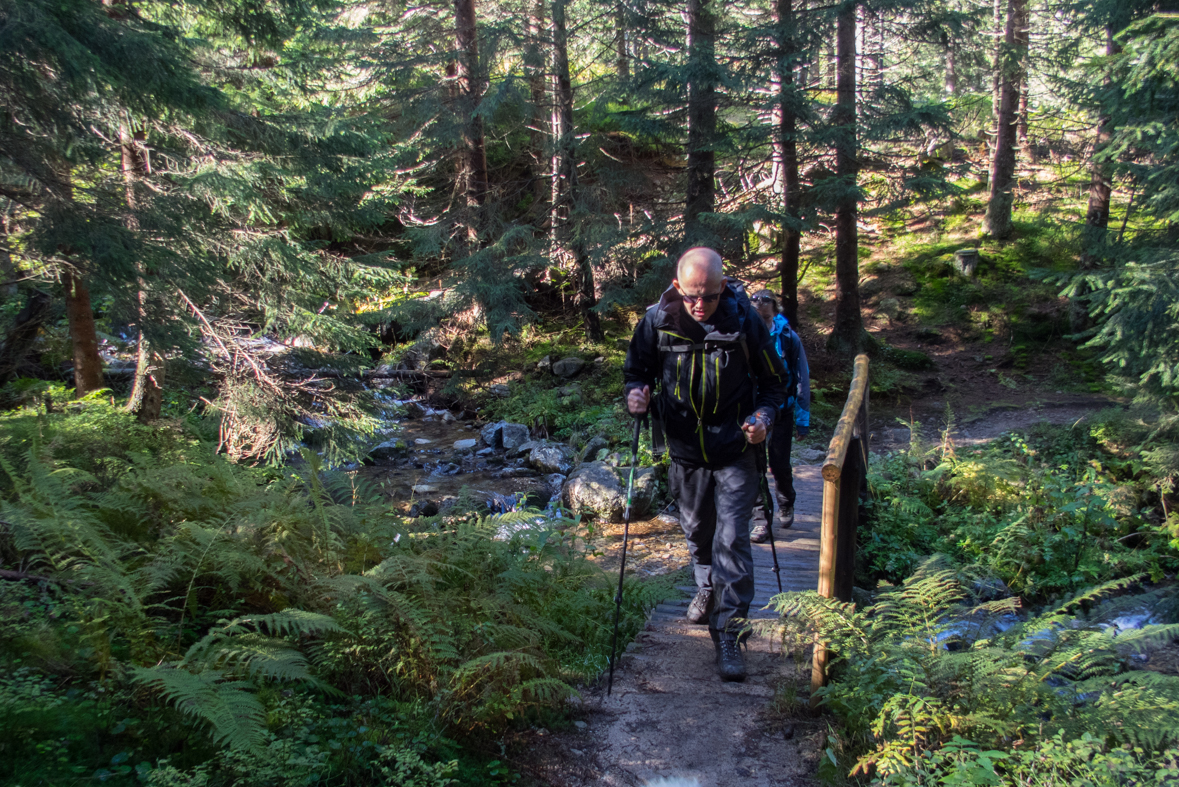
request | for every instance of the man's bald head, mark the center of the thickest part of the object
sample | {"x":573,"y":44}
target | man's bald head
{"x":700,"y":274}
{"x":700,"y":261}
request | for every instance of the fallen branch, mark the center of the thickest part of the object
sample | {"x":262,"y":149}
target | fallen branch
{"x":18,"y":576}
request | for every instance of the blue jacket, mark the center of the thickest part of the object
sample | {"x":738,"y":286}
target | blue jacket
{"x":790,"y":350}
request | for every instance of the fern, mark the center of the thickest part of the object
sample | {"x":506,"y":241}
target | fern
{"x":230,"y":708}
{"x":920,"y":667}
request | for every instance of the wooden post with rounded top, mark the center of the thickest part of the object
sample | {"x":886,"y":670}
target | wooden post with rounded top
{"x":844,"y":475}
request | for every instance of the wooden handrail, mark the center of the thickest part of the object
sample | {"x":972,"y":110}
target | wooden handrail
{"x":837,"y":448}
{"x":842,"y":481}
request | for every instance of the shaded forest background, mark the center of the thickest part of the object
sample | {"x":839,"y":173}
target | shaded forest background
{"x":345,"y":176}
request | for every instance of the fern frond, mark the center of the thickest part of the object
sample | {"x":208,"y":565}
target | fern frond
{"x":543,"y":692}
{"x":233,"y":714}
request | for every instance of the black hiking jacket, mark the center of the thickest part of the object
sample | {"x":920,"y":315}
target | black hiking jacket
{"x":708,"y":383}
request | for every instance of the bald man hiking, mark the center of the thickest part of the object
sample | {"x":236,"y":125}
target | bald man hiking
{"x":715,"y":365}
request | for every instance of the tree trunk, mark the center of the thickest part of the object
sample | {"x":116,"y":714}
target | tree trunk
{"x":997,"y":62}
{"x":534,"y":67}
{"x":473,"y":169}
{"x":1023,"y":33}
{"x":621,"y":55}
{"x":147,"y":397}
{"x":804,"y":56}
{"x":951,"y":83}
{"x":568,"y":236}
{"x":830,"y":80}
{"x":701,"y":122}
{"x":786,"y":156}
{"x":1097,"y":215}
{"x":847,"y":336}
{"x":83,"y":335}
{"x":23,"y":334}
{"x":873,"y":53}
{"x":1100,"y":183}
{"x":997,"y":221}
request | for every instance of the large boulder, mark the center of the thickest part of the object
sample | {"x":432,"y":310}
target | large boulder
{"x":599,"y":491}
{"x":551,"y":458}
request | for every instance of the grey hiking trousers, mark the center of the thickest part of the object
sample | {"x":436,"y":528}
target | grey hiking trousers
{"x":715,"y":506}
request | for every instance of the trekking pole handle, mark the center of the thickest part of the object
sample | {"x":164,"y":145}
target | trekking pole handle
{"x":640,"y":421}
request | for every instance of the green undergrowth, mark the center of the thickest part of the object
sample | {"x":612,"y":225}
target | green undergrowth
{"x":1016,"y":593}
{"x":571,"y":410}
{"x":1047,"y":513}
{"x":933,"y":684}
{"x":170,"y":618}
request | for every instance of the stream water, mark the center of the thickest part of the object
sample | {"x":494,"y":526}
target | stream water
{"x":433,"y":471}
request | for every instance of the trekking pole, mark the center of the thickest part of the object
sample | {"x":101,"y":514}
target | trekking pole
{"x":767,"y":500}
{"x":634,"y":460}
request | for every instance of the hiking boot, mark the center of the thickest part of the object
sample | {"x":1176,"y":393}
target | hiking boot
{"x":729,"y":661}
{"x":786,"y":515}
{"x":701,"y":606}
{"x":760,"y":534}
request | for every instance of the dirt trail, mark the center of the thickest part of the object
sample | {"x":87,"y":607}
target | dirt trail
{"x":670,"y":715}
{"x":891,"y":434}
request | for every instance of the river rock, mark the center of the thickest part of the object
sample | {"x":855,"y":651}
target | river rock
{"x":465,"y":445}
{"x":388,"y":451}
{"x":422,"y":441}
{"x":485,"y":452}
{"x":552,"y":458}
{"x":517,"y":472}
{"x":544,"y":364}
{"x":598,"y":490}
{"x":490,"y":434}
{"x":556,"y":483}
{"x":596,"y":444}
{"x":568,"y":367}
{"x":501,"y":390}
{"x":424,"y":489}
{"x":524,"y":447}
{"x":504,"y":434}
{"x":513,"y":436}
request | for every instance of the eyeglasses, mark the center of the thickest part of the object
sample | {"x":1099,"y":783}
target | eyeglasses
{"x":762,"y":299}
{"x":692,"y":300}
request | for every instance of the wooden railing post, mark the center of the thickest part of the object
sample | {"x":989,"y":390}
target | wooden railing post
{"x":844,"y":481}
